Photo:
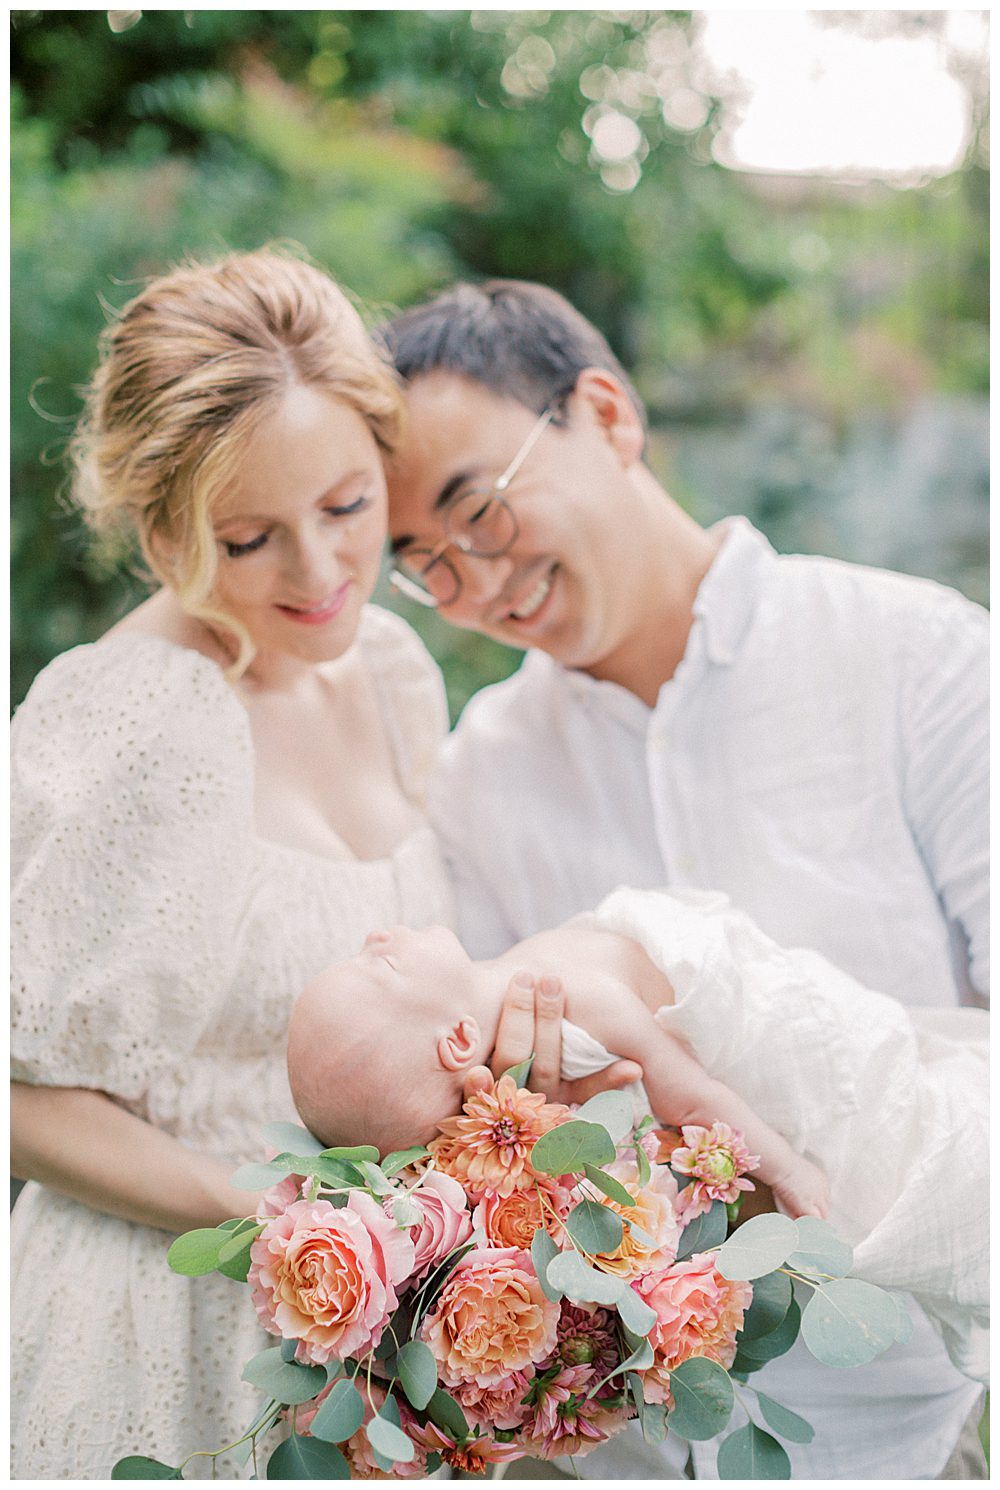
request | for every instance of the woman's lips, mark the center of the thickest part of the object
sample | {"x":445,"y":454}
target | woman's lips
{"x":318,"y":615}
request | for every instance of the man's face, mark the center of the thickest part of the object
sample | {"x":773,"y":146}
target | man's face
{"x":564,"y":584}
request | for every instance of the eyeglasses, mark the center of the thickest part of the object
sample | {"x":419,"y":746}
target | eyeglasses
{"x":481,"y":523}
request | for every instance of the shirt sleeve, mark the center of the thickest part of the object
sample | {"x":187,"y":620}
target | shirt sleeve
{"x":132,"y":823}
{"x":884,"y":1100}
{"x":944,"y":724}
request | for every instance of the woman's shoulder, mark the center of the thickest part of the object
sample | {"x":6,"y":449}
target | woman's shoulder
{"x":128,"y":693}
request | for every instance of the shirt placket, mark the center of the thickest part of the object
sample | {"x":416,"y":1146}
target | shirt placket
{"x":669,"y":774}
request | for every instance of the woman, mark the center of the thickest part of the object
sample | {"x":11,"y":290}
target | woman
{"x":210,"y":804}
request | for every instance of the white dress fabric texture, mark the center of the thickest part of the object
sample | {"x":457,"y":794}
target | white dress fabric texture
{"x":158,"y":946}
{"x":821,"y":757}
{"x":883,"y":1099}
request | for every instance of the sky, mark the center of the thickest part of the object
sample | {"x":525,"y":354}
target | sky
{"x":816,"y":97}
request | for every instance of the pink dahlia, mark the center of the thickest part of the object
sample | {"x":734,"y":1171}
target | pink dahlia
{"x":488,"y":1147}
{"x":565,"y":1419}
{"x":717,"y":1160}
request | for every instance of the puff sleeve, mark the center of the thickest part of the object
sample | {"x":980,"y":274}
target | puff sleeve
{"x":132,"y":836}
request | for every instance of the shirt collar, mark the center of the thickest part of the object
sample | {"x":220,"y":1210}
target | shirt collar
{"x":727,"y":596}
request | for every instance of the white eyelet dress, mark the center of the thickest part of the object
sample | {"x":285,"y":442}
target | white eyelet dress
{"x":157,"y":947}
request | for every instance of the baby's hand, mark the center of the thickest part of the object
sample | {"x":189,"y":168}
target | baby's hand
{"x":802,"y":1190}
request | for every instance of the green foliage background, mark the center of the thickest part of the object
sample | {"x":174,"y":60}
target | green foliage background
{"x":407,"y":148}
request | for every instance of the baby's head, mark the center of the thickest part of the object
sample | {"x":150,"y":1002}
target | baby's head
{"x":378,"y":1046}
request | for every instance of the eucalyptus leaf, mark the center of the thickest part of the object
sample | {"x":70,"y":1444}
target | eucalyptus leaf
{"x":635,"y":1390}
{"x":285,"y":1381}
{"x":375,"y":1179}
{"x":904,"y":1321}
{"x":784,"y":1421}
{"x":417,"y":1372}
{"x":608,"y":1185}
{"x":642,"y":1237}
{"x":758,"y":1247}
{"x":340,"y":1414}
{"x":360,"y":1153}
{"x":743,"y":1365}
{"x":768,"y":1347}
{"x":138,"y":1467}
{"x":389,"y":1440}
{"x":752,"y":1454}
{"x":520,"y":1073}
{"x":288,"y":1349}
{"x":566,"y":1149}
{"x":446,"y":1414}
{"x":406,"y":1212}
{"x":290,"y":1136}
{"x":237,"y":1268}
{"x":613,"y":1110}
{"x":703,"y":1399}
{"x":821,"y":1252}
{"x":643,"y":1128}
{"x":400,"y":1158}
{"x":653,"y":1422}
{"x":645,"y":1168}
{"x":582,"y":1284}
{"x":848,"y":1322}
{"x":543,"y":1249}
{"x":641,"y":1358}
{"x":704,"y":1232}
{"x":772,"y":1294}
{"x":197,"y":1252}
{"x":238,"y":1243}
{"x":594,"y":1227}
{"x":259,"y":1176}
{"x":303,"y":1457}
{"x":635,"y":1313}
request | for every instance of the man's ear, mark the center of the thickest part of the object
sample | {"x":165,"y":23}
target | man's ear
{"x":458,"y":1047}
{"x":614,"y":412}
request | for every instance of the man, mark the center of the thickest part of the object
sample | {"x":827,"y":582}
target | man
{"x":805,"y":735}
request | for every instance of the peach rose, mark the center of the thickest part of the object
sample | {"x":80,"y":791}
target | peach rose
{"x":445,"y":1222}
{"x":328,"y":1277}
{"x":500,"y":1406}
{"x":490,"y":1319}
{"x":698,"y":1312}
{"x":653,"y":1211}
{"x":512,"y":1220}
{"x":281,"y":1196}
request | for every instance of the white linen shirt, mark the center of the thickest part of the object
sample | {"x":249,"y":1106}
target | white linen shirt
{"x":820,"y":756}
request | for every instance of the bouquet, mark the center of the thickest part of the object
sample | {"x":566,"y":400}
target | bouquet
{"x":528,"y":1284}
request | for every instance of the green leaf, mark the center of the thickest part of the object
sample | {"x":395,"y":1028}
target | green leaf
{"x":743,"y":1365}
{"x":197,"y":1252}
{"x":703,"y":1398}
{"x":445,"y":1412}
{"x":520,"y":1073}
{"x":608,"y":1185}
{"x":291,"y":1136}
{"x":635,"y":1390}
{"x":641,"y":1357}
{"x":904,"y":1323}
{"x":643,"y":1128}
{"x":759,"y":1246}
{"x":772,"y":1295}
{"x":399,"y":1158}
{"x":406,"y":1212}
{"x":785,"y":1422}
{"x":566,"y":1149}
{"x":288,"y":1349}
{"x":705,"y":1231}
{"x":613,"y":1110}
{"x":643,"y":1237}
{"x":849,"y":1323}
{"x":341,"y":1413}
{"x":635,"y":1313}
{"x":362,"y":1152}
{"x":769,"y":1347}
{"x":138,"y":1467}
{"x":653,"y":1422}
{"x":375,"y":1179}
{"x":752,"y":1454}
{"x":285,"y":1381}
{"x":389,"y":1440}
{"x":303,"y":1457}
{"x":417,"y":1372}
{"x":238,"y":1243}
{"x":582,"y":1284}
{"x":259,"y":1176}
{"x":820,"y":1250}
{"x":594,"y":1227}
{"x":645,"y":1168}
{"x":543,"y":1249}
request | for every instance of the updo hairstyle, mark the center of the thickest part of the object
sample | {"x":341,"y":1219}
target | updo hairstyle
{"x":187,"y":372}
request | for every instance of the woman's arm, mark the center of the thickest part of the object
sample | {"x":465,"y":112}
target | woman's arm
{"x":85,"y":1146}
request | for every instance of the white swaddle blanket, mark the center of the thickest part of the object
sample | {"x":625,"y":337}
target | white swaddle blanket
{"x":893,"y":1103}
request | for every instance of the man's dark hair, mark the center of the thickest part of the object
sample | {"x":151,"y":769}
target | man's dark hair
{"x":521,"y":340}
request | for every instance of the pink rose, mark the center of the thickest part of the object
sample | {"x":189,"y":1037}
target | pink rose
{"x":698,"y":1312}
{"x":500,"y":1406}
{"x":328,"y":1277}
{"x":445,"y":1222}
{"x":490,"y":1319}
{"x":512,"y":1220}
{"x":281,"y":1196}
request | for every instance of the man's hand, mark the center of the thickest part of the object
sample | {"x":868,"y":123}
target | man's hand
{"x":531,"y":1020}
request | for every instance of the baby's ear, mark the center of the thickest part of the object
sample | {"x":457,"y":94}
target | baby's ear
{"x":459,"y":1046}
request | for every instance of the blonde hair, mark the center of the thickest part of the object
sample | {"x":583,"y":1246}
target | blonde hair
{"x":187,"y":371}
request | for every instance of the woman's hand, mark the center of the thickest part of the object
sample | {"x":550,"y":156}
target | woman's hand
{"x":531,"y":1020}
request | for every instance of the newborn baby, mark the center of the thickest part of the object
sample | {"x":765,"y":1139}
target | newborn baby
{"x":378,"y":1046}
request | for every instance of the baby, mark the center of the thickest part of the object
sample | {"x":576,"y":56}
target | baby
{"x":379,"y":1045}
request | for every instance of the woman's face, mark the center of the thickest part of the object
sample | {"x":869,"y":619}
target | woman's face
{"x":301,"y":531}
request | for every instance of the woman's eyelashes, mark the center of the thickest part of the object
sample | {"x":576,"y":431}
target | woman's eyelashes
{"x":237,"y":550}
